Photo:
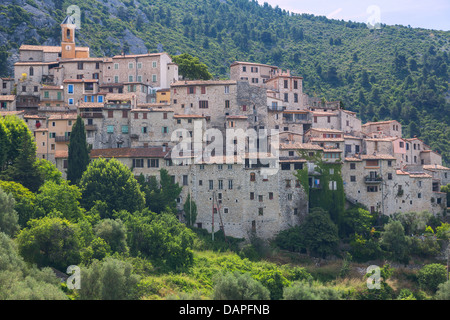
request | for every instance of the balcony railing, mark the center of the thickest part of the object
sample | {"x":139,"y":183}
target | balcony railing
{"x":372,"y":179}
{"x":62,"y":138}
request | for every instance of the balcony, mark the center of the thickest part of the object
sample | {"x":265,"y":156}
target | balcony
{"x":62,"y":138}
{"x":92,"y":115}
{"x":91,"y":127}
{"x":373,"y":179}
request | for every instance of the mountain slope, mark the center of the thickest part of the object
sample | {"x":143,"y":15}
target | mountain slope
{"x":394,"y":72}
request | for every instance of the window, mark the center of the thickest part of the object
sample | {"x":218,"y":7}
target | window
{"x":138,"y":163}
{"x":130,"y":79}
{"x":153,"y":163}
{"x":230,"y":184}
{"x":130,"y":65}
{"x":389,"y":176}
{"x":165,"y":130}
{"x":80,"y":66}
{"x":165,"y":115}
{"x":286,"y":97}
{"x":252,"y":177}
{"x":70,"y":89}
{"x":203,"y":89}
{"x":285,"y":166}
{"x":230,"y":167}
{"x":419,"y":195}
{"x":125,"y":129}
{"x":285,"y":84}
{"x":227,"y":89}
{"x":110,"y":114}
{"x":154,"y":78}
{"x":116,"y":66}
{"x":372,"y":188}
{"x":352,"y":178}
{"x":185,"y":180}
{"x":295,"y":97}
{"x":203,"y":104}
{"x":154,"y":64}
{"x":211,"y":184}
{"x":46,"y":94}
{"x":270,"y":195}
{"x":252,"y":196}
{"x":227,"y":104}
{"x":220,"y":185}
{"x":110,"y":129}
{"x":288,"y":183}
{"x":260,"y":198}
{"x":71,"y":101}
{"x":116,"y":79}
{"x":289,"y":196}
{"x":260,"y":211}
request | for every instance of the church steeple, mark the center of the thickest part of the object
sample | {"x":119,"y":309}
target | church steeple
{"x":68,"y":38}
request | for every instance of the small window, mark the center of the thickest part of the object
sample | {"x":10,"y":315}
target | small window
{"x":252,"y":176}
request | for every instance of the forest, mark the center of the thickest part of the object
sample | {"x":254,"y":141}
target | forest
{"x":395,"y":72}
{"x":123,"y":234}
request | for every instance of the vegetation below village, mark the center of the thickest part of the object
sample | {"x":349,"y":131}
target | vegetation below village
{"x":139,"y":250}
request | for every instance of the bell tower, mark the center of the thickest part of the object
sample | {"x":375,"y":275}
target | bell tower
{"x":68,"y":38}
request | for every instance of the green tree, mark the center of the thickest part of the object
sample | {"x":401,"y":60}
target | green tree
{"x":8,"y":215}
{"x":50,"y":242}
{"x":443,"y":291}
{"x":19,"y":281}
{"x":191,"y":68}
{"x":110,"y":279}
{"x":61,"y":197}
{"x":48,"y":171}
{"x":113,"y":183}
{"x":394,"y":241}
{"x":190,"y":211}
{"x":431,"y":276}
{"x":238,"y":286}
{"x":320,"y":234}
{"x":114,"y":233}
{"x":26,"y":204}
{"x":159,"y":237}
{"x":24,"y":168}
{"x":78,"y":158}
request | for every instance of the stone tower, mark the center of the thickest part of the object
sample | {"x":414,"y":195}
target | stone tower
{"x":68,"y":38}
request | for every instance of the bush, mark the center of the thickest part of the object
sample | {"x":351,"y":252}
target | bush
{"x":431,"y":276}
{"x":443,"y":291}
{"x":239,"y":286}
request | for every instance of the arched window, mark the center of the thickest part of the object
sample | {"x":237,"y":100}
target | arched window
{"x":252,"y":176}
{"x":68,"y":33}
{"x":31,"y":71}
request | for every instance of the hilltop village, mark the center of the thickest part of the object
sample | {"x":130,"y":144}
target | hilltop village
{"x":137,"y":109}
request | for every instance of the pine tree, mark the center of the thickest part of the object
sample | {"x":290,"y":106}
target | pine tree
{"x":24,"y":169}
{"x":78,"y":152}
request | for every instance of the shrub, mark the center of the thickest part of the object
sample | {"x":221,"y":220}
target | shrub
{"x":239,"y":286}
{"x":431,"y":276}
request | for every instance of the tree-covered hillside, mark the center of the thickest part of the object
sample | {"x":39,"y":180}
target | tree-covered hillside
{"x":394,"y":72}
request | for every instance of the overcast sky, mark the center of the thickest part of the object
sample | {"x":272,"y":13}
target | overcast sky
{"x":429,"y":14}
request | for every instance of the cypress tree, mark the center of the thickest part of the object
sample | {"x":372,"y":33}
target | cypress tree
{"x":78,"y":159}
